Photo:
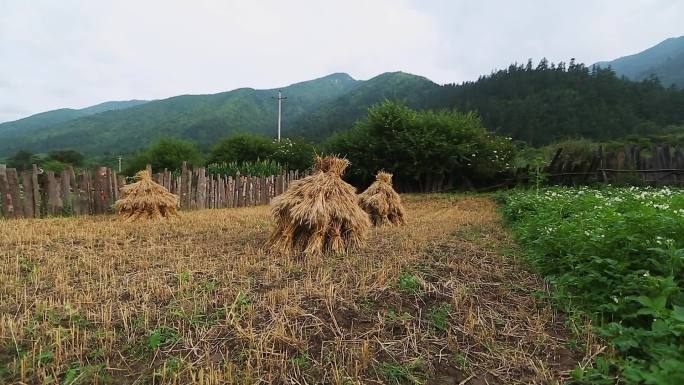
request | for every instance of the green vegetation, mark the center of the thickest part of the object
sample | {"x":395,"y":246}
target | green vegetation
{"x":200,"y":118}
{"x":550,"y":102}
{"x":616,"y":257}
{"x":403,"y":373}
{"x":339,"y":114}
{"x":409,"y":283}
{"x":535,"y":104}
{"x":47,"y":119}
{"x":246,"y":147}
{"x":425,"y":150}
{"x":257,"y":168}
{"x":242,"y":147}
{"x":55,"y":161}
{"x":166,"y":153}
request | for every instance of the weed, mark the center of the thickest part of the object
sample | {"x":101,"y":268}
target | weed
{"x":77,"y":375}
{"x":409,"y":283}
{"x":301,"y":360}
{"x":403,"y":374}
{"x":394,"y":318}
{"x":163,"y":337}
{"x":460,"y":361}
{"x":439,"y":317}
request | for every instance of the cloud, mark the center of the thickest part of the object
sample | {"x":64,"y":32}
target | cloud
{"x":76,"y":53}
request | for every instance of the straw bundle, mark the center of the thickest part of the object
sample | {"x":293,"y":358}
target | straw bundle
{"x":319,"y":213}
{"x":145,"y":200}
{"x":382,"y":203}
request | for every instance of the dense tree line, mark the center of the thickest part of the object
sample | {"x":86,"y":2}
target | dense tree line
{"x":548,"y":102}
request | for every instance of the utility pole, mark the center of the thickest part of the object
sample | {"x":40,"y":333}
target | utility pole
{"x":120,"y":157}
{"x":280,"y":109}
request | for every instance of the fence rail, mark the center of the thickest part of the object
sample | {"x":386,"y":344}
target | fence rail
{"x":36,"y":194}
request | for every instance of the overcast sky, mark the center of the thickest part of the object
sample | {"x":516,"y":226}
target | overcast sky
{"x":76,"y":53}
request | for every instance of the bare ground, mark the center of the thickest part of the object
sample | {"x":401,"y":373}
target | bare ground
{"x":442,"y":300}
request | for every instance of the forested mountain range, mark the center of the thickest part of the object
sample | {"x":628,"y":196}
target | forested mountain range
{"x":664,"y":61}
{"x":535,"y":102}
{"x":203,"y":118}
{"x":46,"y":119}
{"x":548,"y":102}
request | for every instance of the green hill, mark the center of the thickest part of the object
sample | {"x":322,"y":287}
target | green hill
{"x":536,"y":104}
{"x":664,"y":61}
{"x":50,"y":118}
{"x":340,"y":113}
{"x":203,"y":118}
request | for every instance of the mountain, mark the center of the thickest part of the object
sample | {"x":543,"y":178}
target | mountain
{"x":203,"y":118}
{"x":50,"y":118}
{"x":535,"y":104}
{"x":664,"y":60}
{"x":340,"y":113}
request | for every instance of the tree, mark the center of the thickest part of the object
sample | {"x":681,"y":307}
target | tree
{"x":22,"y":160}
{"x":71,"y":157}
{"x":169,"y":153}
{"x":426,"y":150}
{"x":294,"y":154}
{"x":242,"y":147}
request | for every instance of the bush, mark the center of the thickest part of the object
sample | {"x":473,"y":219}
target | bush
{"x":242,"y":147}
{"x":293,"y":154}
{"x":71,"y":157}
{"x":166,"y":153}
{"x":425,"y":150}
{"x":22,"y":160}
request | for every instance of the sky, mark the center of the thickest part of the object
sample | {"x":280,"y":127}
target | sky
{"x":77,"y":53}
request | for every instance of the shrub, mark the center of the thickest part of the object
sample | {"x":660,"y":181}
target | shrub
{"x":425,"y":150}
{"x":167,"y":153}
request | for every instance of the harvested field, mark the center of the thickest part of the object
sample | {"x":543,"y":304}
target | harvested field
{"x":196,"y":300}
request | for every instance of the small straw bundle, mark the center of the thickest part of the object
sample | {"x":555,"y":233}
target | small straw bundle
{"x":146,"y":200}
{"x":382,"y":203}
{"x":319,"y":213}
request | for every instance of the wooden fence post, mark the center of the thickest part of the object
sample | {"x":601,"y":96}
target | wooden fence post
{"x":201,"y":188}
{"x":28,"y":194}
{"x":238,"y":190}
{"x":36,"y":191}
{"x":185,"y":186}
{"x":55,"y":205}
{"x":13,"y":182}
{"x":5,"y":196}
{"x":65,"y":188}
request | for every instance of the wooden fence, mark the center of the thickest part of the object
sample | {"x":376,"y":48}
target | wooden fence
{"x":36,"y":194}
{"x":663,"y":166}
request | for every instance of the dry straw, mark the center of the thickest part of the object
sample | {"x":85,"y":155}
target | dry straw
{"x":319,"y":213}
{"x":146,"y":200}
{"x":382,"y":203}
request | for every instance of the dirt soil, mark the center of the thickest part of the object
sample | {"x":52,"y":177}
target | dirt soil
{"x":442,"y":300}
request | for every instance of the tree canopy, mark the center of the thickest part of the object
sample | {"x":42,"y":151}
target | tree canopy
{"x":425,"y":150}
{"x":167,"y":153}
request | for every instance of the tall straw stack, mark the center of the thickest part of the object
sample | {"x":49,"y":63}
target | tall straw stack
{"x":146,"y":200}
{"x":319,"y":213}
{"x":382,"y":203}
